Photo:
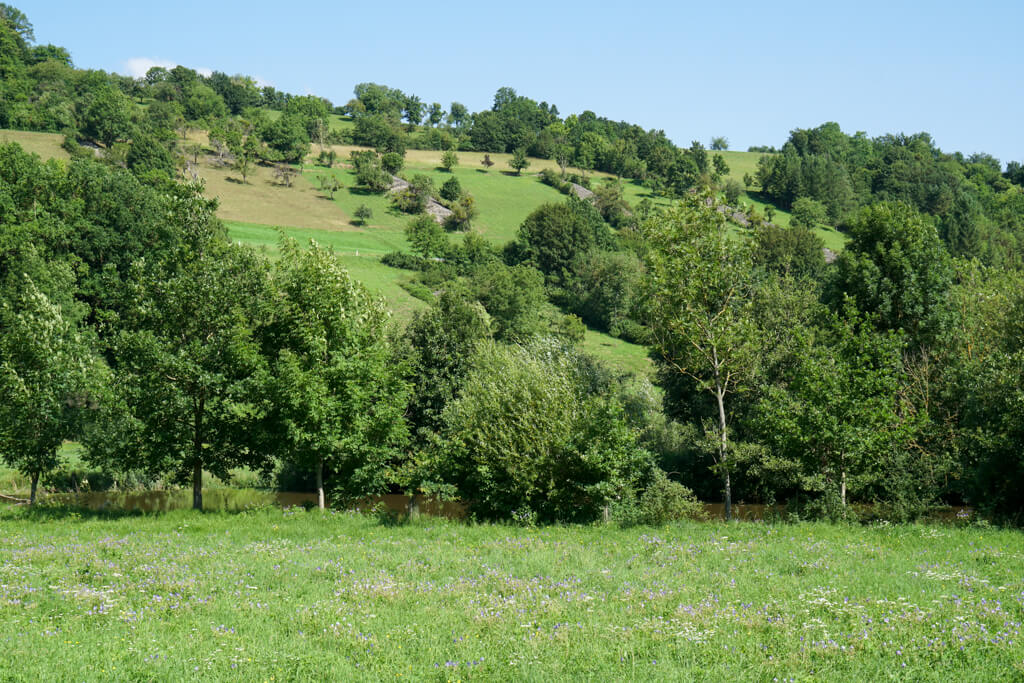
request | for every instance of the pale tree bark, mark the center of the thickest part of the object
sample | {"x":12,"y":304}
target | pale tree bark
{"x":35,"y":487}
{"x":320,"y":500}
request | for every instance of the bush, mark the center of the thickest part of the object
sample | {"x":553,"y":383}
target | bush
{"x":392,"y":162}
{"x":418,"y":291}
{"x":451,"y":189}
{"x":549,"y":176}
{"x":732,"y":191}
{"x":630,"y":331}
{"x":406,"y":261}
{"x":415,"y":198}
{"x":527,"y":433}
{"x":662,"y":502}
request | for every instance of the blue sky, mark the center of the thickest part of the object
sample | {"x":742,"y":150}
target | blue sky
{"x":750,"y":71}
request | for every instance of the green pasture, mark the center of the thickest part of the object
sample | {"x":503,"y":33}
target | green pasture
{"x":359,"y":252}
{"x":46,"y":145}
{"x":290,"y":595}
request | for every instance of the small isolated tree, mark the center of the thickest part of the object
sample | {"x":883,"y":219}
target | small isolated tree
{"x":519,"y":160}
{"x":284,"y":174}
{"x":698,"y":298}
{"x":246,"y":153}
{"x":487,"y":163}
{"x":193,"y":150}
{"x":449,"y":160}
{"x":563,"y":153}
{"x":329,"y":184}
{"x":392,"y":162}
{"x":337,"y":397}
{"x":49,"y":376}
{"x":451,"y":190}
{"x":363,"y":213}
{"x":719,"y":143}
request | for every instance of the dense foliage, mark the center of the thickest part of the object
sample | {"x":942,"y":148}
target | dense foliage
{"x":882,"y":384}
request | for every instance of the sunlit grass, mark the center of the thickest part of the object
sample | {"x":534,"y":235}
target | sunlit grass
{"x":294,"y":595}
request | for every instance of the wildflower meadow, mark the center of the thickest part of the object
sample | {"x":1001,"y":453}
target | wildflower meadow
{"x":291,"y":594}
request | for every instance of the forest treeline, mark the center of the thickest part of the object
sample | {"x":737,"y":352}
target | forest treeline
{"x":891,"y":377}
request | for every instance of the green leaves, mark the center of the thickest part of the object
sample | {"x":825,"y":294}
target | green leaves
{"x":526,"y":433}
{"x":335,"y":395}
{"x":50,"y":378}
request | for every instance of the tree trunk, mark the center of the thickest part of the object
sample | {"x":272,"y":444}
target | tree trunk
{"x":35,"y":487}
{"x":842,"y":486}
{"x":197,"y":486}
{"x":723,"y":449}
{"x":197,"y":454}
{"x":320,"y":484}
{"x":412,"y":510}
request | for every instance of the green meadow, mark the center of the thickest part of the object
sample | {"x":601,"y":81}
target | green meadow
{"x":291,"y":595}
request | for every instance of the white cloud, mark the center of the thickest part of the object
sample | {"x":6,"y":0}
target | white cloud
{"x":136,"y":67}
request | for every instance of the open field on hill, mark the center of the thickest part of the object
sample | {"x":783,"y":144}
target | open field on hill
{"x":257,"y":210}
{"x":262,"y":201}
{"x":504,"y":200}
{"x":293,"y":595}
{"x":359,"y":252}
{"x":46,"y":145}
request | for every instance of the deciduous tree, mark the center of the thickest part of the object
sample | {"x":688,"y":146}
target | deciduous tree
{"x":698,"y":297}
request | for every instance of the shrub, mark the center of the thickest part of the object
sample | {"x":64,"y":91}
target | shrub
{"x":451,"y":189}
{"x":732,"y":191}
{"x":528,"y":433}
{"x":418,"y":291}
{"x":662,"y":502}
{"x":392,"y":162}
{"x":406,"y":261}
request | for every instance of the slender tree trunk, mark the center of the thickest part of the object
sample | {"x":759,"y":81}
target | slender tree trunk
{"x":723,"y":448}
{"x":35,"y":487}
{"x":320,"y":483}
{"x":197,"y":463}
{"x":413,"y":508}
{"x":842,"y":483}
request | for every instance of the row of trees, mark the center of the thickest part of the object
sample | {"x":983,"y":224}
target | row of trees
{"x":138,"y":329}
{"x":891,"y":377}
{"x":884,"y":378}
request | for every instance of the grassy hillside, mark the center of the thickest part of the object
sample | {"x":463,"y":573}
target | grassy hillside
{"x":257,"y":210}
{"x":295,"y":595}
{"x":46,"y":145}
